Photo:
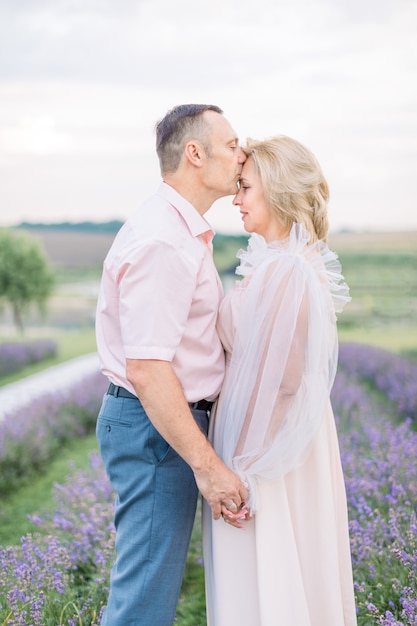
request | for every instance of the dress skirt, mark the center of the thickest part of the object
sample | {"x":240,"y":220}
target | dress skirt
{"x":291,"y":564}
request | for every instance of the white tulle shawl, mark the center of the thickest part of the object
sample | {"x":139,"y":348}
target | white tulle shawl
{"x":284,"y":357}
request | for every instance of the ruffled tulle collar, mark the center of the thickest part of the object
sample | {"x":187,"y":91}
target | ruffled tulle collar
{"x":317,"y":253}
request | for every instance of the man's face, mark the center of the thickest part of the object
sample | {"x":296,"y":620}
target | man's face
{"x":223,"y":165}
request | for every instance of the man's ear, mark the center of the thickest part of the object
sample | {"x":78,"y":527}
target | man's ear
{"x":194,"y":152}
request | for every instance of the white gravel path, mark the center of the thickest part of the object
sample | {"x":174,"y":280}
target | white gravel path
{"x":18,"y":394}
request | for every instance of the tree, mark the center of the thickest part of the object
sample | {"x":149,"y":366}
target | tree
{"x":25,"y":274}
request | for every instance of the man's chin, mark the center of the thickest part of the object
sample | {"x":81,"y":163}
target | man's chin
{"x":230,"y":192}
{"x":226,"y":194}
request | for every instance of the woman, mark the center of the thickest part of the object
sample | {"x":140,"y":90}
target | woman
{"x":273,"y":425}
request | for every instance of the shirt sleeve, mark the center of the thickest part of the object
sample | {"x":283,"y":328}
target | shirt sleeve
{"x":281,"y":370}
{"x":156,"y":288}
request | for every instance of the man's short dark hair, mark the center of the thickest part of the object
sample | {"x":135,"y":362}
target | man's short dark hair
{"x":181,"y":124}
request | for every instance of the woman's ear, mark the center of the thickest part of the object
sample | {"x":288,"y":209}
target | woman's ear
{"x":194,"y":152}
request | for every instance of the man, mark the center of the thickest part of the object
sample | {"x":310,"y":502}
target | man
{"x":158,"y":345}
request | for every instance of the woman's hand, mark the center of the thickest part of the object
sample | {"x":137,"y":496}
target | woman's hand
{"x":234,"y":516}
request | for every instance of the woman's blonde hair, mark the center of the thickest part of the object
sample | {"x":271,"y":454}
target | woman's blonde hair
{"x":293,"y":183}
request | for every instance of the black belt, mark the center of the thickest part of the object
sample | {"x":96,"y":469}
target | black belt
{"x":121,"y":392}
{"x":201,"y":405}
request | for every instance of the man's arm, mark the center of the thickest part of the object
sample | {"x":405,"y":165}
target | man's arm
{"x":162,"y":397}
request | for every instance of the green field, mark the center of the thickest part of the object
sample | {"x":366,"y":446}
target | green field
{"x":380,"y":268}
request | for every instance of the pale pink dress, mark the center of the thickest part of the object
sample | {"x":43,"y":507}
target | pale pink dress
{"x":291,"y":565}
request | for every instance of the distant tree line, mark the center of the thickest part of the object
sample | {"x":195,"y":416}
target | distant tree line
{"x":90,"y":227}
{"x":113,"y":226}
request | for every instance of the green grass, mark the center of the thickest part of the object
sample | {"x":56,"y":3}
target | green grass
{"x":399,"y":338}
{"x":191,"y":610}
{"x":74,"y":343}
{"x":383,"y":287}
{"x":37,"y":497}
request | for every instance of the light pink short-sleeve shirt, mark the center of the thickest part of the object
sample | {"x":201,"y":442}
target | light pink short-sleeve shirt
{"x":159,"y":296}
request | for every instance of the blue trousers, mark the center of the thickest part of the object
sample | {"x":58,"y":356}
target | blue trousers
{"x":154,"y":515}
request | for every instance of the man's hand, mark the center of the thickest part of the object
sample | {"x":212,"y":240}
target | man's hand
{"x":223,"y":490}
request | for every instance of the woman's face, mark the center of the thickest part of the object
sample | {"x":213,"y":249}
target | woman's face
{"x":256,"y":214}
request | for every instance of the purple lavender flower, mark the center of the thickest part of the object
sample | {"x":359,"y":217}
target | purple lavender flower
{"x":30,"y":436}
{"x":14,"y":356}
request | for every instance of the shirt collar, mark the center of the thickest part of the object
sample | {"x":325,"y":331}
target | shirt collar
{"x":196,"y":223}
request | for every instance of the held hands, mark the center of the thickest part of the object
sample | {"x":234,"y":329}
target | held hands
{"x":223,"y":490}
{"x":234,"y":515}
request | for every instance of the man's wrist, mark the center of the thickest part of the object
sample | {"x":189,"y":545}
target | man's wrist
{"x":203,"y":458}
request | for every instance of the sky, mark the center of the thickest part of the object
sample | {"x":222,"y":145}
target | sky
{"x":83,"y":82}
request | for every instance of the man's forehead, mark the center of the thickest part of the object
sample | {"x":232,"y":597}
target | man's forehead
{"x":221,"y":127}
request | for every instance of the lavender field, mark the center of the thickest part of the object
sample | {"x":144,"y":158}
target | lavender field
{"x":14,"y":356}
{"x":59,"y":573}
{"x":31,"y":436}
{"x":378,"y":442}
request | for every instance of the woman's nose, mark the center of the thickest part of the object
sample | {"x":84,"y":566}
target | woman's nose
{"x":236,"y":200}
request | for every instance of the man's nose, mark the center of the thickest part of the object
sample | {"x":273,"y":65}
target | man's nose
{"x":242,"y":156}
